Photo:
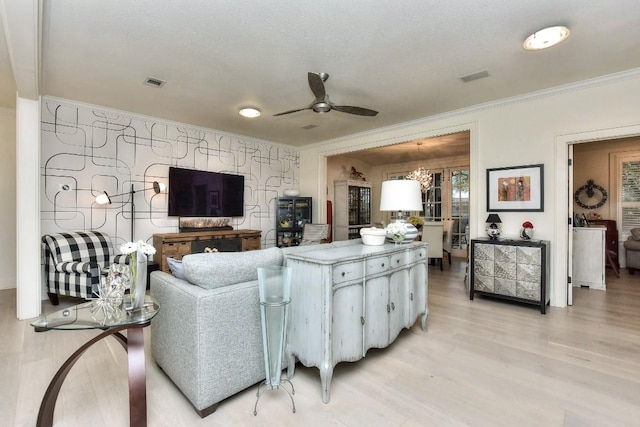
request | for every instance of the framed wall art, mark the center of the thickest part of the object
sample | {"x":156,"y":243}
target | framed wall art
{"x":516,"y":189}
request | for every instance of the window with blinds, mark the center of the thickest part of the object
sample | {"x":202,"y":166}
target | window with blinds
{"x":630,"y":196}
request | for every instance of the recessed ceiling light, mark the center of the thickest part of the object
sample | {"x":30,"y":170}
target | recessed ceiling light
{"x":249,"y":112}
{"x":546,"y":37}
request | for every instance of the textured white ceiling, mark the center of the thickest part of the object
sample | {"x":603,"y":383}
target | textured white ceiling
{"x":403,"y":59}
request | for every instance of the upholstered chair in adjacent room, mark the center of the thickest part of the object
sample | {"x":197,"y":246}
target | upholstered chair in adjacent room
{"x":632,"y":250}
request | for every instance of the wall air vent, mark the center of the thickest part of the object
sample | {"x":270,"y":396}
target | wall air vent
{"x":474,"y":76}
{"x":152,"y":81}
{"x":307,"y":127}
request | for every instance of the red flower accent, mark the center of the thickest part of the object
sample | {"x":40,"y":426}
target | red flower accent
{"x":527,"y":224}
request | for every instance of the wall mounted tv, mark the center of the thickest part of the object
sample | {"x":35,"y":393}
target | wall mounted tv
{"x":207,"y":194}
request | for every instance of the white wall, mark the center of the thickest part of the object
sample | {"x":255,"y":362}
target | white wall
{"x":8,"y":197}
{"x":519,"y":131}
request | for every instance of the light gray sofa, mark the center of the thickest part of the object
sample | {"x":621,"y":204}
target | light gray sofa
{"x":207,"y":336}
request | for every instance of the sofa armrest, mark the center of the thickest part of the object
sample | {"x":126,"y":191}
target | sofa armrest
{"x":200,"y":336}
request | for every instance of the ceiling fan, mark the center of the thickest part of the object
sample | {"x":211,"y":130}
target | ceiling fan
{"x":322,"y":104}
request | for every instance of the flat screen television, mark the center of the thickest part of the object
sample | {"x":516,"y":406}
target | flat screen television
{"x":207,"y":194}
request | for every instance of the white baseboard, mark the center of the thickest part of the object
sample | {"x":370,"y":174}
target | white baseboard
{"x":8,"y":283}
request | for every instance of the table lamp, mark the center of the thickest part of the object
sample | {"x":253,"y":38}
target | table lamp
{"x":493,"y":230}
{"x":401,"y":195}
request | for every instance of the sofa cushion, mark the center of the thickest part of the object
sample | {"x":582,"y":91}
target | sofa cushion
{"x":635,"y":233}
{"x":214,"y":270}
{"x":176,"y":268}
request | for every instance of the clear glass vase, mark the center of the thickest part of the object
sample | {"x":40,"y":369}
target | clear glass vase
{"x":138,"y":288}
{"x":274,"y":286}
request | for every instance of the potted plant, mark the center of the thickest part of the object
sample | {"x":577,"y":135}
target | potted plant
{"x":416,"y":221}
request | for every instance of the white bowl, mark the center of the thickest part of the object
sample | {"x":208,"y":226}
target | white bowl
{"x":291,"y":192}
{"x":373,"y":236}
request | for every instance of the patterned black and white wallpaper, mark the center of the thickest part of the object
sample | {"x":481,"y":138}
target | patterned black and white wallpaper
{"x":87,"y":150}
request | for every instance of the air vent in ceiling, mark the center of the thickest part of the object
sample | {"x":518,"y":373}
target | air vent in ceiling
{"x":152,"y":81}
{"x":307,"y":127}
{"x":474,"y":76}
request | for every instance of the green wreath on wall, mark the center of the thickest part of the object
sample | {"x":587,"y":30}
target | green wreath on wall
{"x":590,"y":189}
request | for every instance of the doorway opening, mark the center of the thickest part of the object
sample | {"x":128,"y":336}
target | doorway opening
{"x":602,"y":200}
{"x":447,"y":157}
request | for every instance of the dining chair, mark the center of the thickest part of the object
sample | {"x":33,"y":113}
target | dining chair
{"x":447,"y":237}
{"x":432,"y":233}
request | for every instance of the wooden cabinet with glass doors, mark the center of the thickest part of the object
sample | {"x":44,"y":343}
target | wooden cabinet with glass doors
{"x":352,"y":208}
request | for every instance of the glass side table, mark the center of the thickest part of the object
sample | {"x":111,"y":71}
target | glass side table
{"x":112,"y":318}
{"x":274,"y":284}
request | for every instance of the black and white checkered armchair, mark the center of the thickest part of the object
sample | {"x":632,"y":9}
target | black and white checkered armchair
{"x":74,"y":260}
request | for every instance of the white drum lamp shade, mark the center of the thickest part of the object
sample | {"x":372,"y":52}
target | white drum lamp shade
{"x":402,"y":195}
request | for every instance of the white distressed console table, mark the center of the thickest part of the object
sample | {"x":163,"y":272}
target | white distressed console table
{"x":348,"y":299}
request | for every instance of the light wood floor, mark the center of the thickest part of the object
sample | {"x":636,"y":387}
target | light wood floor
{"x":481,"y":363}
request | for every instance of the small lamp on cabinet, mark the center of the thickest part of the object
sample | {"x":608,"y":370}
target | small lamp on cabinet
{"x":493,"y":229}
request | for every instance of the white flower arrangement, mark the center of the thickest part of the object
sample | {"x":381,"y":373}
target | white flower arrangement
{"x":396,"y":231}
{"x":131,"y":247}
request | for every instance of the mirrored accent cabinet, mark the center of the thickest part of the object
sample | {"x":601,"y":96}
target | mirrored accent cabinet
{"x":516,"y":270}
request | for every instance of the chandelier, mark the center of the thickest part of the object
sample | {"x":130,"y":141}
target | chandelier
{"x":423,"y":176}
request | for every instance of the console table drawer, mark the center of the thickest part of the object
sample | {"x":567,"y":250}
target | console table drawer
{"x":418,"y":254}
{"x":377,"y":265}
{"x":408,"y":257}
{"x":346,"y":272}
{"x":251,"y":243}
{"x":176,"y":250}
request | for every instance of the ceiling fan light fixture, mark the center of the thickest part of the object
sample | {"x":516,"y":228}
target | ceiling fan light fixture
{"x":249,"y":112}
{"x":546,"y":38}
{"x":321,"y":107}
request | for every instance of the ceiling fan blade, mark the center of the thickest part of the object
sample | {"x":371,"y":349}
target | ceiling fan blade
{"x":317,"y":86}
{"x":354,"y":110}
{"x":292,"y":111}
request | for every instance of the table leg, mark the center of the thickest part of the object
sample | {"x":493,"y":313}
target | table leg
{"x":48,"y":405}
{"x":326,"y":373}
{"x":137,"y":378}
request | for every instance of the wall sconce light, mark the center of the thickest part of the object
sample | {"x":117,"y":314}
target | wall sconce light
{"x":104,"y":199}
